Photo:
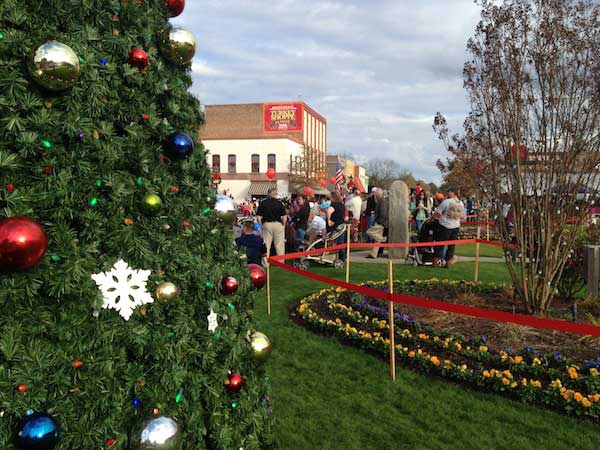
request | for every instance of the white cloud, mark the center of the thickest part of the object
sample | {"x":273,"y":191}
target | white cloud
{"x":377,"y":70}
{"x":201,"y":68}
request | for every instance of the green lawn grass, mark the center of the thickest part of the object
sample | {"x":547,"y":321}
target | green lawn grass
{"x":328,"y":396}
{"x":484,"y":250}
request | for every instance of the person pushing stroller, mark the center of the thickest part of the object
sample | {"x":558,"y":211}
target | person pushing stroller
{"x":449,"y":214}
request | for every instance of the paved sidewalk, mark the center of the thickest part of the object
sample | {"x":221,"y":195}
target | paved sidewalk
{"x":362,"y":257}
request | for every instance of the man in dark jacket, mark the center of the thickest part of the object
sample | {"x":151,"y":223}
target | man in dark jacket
{"x":272,"y":217}
{"x":301,"y":219}
{"x":254,"y":245}
{"x":370,"y":211}
{"x":378,"y":232}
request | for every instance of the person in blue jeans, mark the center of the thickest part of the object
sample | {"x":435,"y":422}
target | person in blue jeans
{"x":422,"y":210}
{"x":301,"y":219}
{"x":336,"y":216}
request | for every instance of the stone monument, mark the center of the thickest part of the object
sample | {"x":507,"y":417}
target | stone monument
{"x":399,"y":216}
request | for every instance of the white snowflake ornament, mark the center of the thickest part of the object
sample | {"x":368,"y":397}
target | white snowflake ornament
{"x":212,"y":321}
{"x":123,"y":288}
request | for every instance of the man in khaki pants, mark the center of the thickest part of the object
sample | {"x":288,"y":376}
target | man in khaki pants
{"x":272,"y":217}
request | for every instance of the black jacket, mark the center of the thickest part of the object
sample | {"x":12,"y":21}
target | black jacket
{"x":301,"y":217}
{"x":382,"y":212}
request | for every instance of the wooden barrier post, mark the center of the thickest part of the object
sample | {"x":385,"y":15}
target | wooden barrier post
{"x":348,"y":235}
{"x":269,"y":288}
{"x":391,"y":321}
{"x":477,"y":254}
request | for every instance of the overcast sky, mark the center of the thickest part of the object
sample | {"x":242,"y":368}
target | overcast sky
{"x":378,"y":70}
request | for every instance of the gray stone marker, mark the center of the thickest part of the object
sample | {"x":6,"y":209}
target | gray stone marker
{"x":591,"y":269}
{"x":399,"y":216}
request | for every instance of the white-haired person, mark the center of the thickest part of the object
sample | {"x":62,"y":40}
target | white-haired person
{"x":448,"y":213}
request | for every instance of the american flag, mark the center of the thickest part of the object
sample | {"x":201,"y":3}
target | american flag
{"x":339,"y":178}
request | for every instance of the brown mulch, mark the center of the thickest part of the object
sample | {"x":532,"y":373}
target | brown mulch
{"x":501,"y":335}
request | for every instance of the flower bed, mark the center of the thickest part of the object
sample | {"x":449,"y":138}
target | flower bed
{"x":551,"y":380}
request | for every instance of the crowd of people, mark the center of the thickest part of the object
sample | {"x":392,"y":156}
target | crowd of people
{"x":275,"y":226}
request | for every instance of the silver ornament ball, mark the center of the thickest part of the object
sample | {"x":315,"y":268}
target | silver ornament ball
{"x":178,"y":45}
{"x":55,"y":66}
{"x":226,"y":210}
{"x":160,"y":433}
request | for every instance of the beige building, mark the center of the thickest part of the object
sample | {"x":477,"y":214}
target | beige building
{"x":245,"y":141}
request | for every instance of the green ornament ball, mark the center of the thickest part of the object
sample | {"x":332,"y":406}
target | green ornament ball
{"x":151,"y":204}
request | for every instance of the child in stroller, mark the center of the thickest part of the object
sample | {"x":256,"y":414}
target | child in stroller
{"x":420,"y":256}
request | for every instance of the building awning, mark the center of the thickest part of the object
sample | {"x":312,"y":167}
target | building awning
{"x":261,"y":188}
{"x":359,"y":185}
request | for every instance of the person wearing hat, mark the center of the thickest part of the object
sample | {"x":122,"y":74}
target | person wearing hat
{"x":272,"y":218}
{"x":448,"y":213}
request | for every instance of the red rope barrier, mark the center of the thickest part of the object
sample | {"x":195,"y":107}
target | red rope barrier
{"x":420,"y":302}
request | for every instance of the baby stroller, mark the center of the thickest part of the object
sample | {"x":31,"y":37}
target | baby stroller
{"x":324,"y":258}
{"x":420,"y":256}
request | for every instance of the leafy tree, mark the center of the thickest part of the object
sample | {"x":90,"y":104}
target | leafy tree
{"x":82,"y":155}
{"x":532,"y":82}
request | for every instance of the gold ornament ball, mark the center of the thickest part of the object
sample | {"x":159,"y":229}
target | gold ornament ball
{"x":261,"y":346}
{"x":55,"y":66}
{"x":166,"y":292}
{"x":178,"y":45}
{"x":151,"y":204}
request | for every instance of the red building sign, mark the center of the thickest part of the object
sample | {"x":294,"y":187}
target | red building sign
{"x":283,"y":117}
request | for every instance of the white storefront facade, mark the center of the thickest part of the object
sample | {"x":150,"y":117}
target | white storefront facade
{"x":245,"y":141}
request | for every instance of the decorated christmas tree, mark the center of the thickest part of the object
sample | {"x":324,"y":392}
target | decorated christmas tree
{"x":126,"y":314}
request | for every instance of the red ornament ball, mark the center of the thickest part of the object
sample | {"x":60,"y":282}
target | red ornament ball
{"x":22,"y":244}
{"x":323,"y":183}
{"x":186,"y":224}
{"x":258,"y":276}
{"x":216,"y":176}
{"x":308,"y":191}
{"x":175,"y":7}
{"x":10,"y":188}
{"x":138,"y":58}
{"x":22,"y":388}
{"x":111,"y":442}
{"x":234,"y":383}
{"x":271,"y":173}
{"x":332,"y":180}
{"x":229,"y":285}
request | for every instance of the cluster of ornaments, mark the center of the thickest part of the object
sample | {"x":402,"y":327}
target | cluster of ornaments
{"x":56,"y":67}
{"x":41,"y":431}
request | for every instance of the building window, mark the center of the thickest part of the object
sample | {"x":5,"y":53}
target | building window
{"x":255,"y":163}
{"x":216,"y":163}
{"x":231,"y":167}
{"x":271,"y":161}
